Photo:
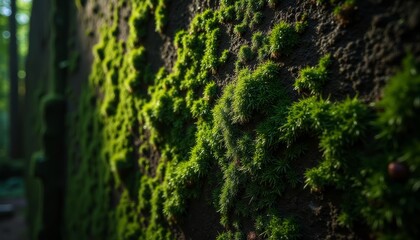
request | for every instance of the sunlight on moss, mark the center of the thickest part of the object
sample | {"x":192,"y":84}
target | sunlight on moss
{"x":150,"y":142}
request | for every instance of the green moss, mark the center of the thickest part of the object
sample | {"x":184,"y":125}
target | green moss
{"x":245,"y":54}
{"x":256,"y":91}
{"x":230,"y":236}
{"x":184,"y":178}
{"x":160,"y":15}
{"x":145,"y":143}
{"x":313,"y":79}
{"x":342,"y":9}
{"x":88,"y":196}
{"x":256,"y":5}
{"x":399,"y":142}
{"x":240,"y":29}
{"x":227,"y":14}
{"x":282,"y":39}
{"x":256,"y":20}
{"x":401,"y":102}
{"x":246,"y":159}
{"x":128,"y":227}
{"x":248,"y":13}
{"x":257,"y":41}
{"x":355,"y":161}
{"x":314,"y":114}
{"x":274,"y":227}
{"x":301,"y":25}
{"x":229,"y":192}
{"x":344,"y":6}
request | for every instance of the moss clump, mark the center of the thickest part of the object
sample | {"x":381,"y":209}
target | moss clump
{"x":256,"y":20}
{"x":227,"y":14}
{"x":245,"y":54}
{"x":160,"y":15}
{"x":338,"y":126}
{"x":397,"y":141}
{"x":343,"y":10}
{"x":257,"y":41}
{"x":230,"y":236}
{"x":184,"y":178}
{"x":240,"y":29}
{"x":312,"y":79}
{"x":274,"y":227}
{"x":246,"y":157}
{"x":256,"y":91}
{"x":137,"y":70}
{"x":248,"y":13}
{"x":401,"y":102}
{"x":282,"y":39}
{"x":301,"y":25}
{"x":356,"y":153}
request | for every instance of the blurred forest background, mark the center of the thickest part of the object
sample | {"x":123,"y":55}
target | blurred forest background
{"x":13,"y":49}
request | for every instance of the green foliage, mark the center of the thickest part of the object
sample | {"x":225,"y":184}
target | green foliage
{"x":334,"y":2}
{"x":140,"y":14}
{"x":312,"y":79}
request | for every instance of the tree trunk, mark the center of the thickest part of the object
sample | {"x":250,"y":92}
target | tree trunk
{"x":14,"y":128}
